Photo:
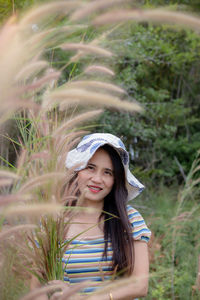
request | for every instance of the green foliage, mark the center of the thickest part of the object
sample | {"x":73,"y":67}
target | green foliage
{"x":8,"y":7}
{"x":175,"y":245}
{"x":190,"y":4}
{"x":158,"y":66}
{"x":173,"y":214}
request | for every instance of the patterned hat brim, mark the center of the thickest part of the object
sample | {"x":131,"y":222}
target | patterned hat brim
{"x":78,"y":158}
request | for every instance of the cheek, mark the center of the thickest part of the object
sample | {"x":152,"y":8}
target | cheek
{"x":82,"y":177}
{"x":110,"y":183}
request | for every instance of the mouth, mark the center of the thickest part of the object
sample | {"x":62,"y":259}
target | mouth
{"x":94,"y":188}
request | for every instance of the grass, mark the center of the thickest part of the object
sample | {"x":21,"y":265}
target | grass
{"x":175,"y":244}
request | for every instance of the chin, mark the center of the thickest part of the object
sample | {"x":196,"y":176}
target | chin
{"x":94,"y":198}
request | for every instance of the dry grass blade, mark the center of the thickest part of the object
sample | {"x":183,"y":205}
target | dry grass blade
{"x":5,"y":182}
{"x":45,"y":155}
{"x":12,"y":59}
{"x":196,"y":170}
{"x":155,"y":15}
{"x":12,"y":106}
{"x":73,"y":27}
{"x":8,"y":174}
{"x":76,"y":120}
{"x":89,"y":49}
{"x":94,"y":42}
{"x":94,"y":6}
{"x":96,"y":84}
{"x":45,"y":37}
{"x":7,"y":232}
{"x":178,"y":18}
{"x":99,"y":69}
{"x":7,"y":33}
{"x":195,"y":182}
{"x":73,"y":96}
{"x":38,"y":14}
{"x":198,"y":275}
{"x":33,"y":209}
{"x":8,"y":199}
{"x":42,"y":81}
{"x":65,"y":143}
{"x":38,"y":38}
{"x":118,"y":16}
{"x":40,"y":180}
{"x":31,"y":69}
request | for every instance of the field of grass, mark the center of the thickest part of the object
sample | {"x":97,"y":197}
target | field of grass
{"x":175,"y":244}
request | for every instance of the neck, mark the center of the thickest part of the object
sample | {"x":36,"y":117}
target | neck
{"x":94,"y":208}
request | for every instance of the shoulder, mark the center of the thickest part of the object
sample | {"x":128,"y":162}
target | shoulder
{"x":132,"y":212}
{"x":140,"y":231}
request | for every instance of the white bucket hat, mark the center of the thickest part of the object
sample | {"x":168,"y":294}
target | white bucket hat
{"x":90,"y":144}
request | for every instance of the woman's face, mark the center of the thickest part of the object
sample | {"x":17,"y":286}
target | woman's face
{"x":96,"y":180}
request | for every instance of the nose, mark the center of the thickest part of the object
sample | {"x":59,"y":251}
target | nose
{"x":96,"y":177}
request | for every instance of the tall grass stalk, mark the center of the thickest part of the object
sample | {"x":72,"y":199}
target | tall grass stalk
{"x":34,"y":193}
{"x":188,"y":192}
{"x":175,"y":246}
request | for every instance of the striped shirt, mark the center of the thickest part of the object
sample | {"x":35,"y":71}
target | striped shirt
{"x":83,"y":259}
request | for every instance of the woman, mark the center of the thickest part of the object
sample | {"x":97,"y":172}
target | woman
{"x":114,"y":236}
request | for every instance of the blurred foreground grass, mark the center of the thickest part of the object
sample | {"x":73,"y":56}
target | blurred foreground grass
{"x":172,"y":275}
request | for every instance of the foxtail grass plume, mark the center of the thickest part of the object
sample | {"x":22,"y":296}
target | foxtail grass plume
{"x":93,"y":84}
{"x":4,"y":173}
{"x":70,"y":124}
{"x":13,"y":199}
{"x":152,"y":15}
{"x":87,"y":48}
{"x":9,"y":231}
{"x":31,"y":210}
{"x":41,"y":180}
{"x":41,"y":12}
{"x":95,"y":6}
{"x":99,"y":69}
{"x":31,"y":69}
{"x":82,"y":97}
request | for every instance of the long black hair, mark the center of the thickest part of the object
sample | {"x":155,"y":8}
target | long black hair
{"x":118,"y":229}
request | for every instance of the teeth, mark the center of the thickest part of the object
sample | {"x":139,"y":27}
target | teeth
{"x":94,"y":188}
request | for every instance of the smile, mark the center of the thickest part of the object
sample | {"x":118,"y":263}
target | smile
{"x":94,"y":189}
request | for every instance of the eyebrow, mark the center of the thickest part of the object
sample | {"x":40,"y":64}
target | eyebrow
{"x":107,"y":169}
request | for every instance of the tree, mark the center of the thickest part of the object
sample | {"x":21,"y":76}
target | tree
{"x":158,"y":66}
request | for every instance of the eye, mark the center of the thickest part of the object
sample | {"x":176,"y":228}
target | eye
{"x":107,"y":172}
{"x":90,"y":167}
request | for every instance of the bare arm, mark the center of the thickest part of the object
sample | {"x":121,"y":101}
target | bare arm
{"x":134,"y":286}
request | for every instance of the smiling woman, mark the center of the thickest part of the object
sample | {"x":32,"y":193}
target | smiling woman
{"x":97,"y":179}
{"x":114,"y":237}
